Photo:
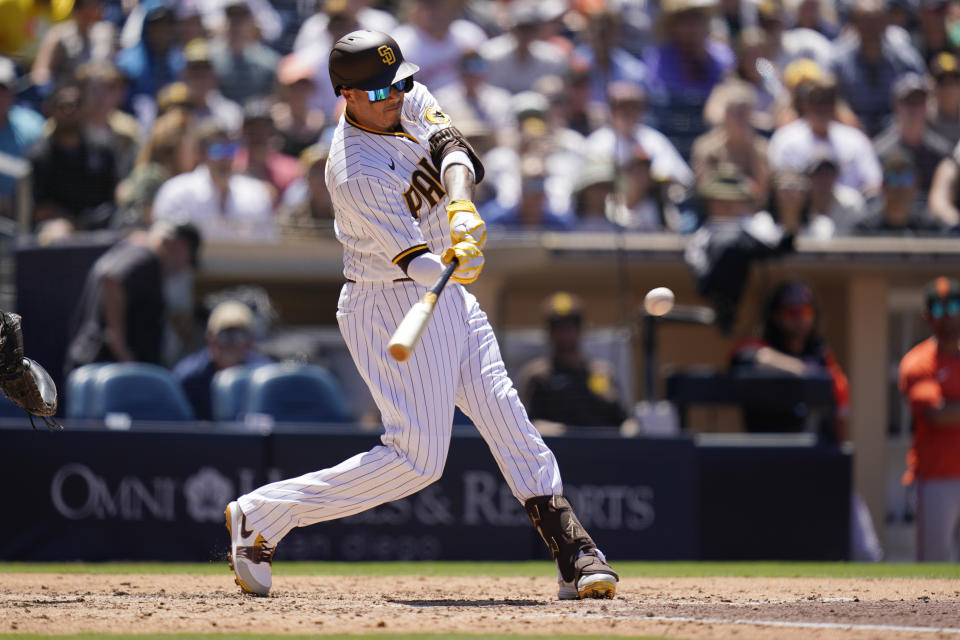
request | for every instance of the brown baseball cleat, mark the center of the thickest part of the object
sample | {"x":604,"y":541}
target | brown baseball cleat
{"x":594,"y":578}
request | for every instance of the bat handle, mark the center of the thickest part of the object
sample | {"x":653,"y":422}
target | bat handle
{"x":444,"y":277}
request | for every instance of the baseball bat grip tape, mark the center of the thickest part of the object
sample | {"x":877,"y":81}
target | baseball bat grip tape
{"x":405,"y":338}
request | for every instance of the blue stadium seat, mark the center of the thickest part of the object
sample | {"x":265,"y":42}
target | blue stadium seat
{"x":296,"y":393}
{"x":142,"y":391}
{"x":79,"y":388}
{"x":10,"y":410}
{"x":228,"y":393}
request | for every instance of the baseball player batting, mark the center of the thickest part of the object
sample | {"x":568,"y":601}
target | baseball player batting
{"x":401,"y":179}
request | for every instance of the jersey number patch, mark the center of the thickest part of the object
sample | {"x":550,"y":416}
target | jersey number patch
{"x":424,"y":185}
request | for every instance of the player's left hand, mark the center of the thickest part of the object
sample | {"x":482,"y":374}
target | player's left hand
{"x":465,"y":221}
{"x":470,"y":260}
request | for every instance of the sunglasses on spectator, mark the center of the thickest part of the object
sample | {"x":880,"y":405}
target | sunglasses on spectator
{"x":222,"y":150}
{"x":899,"y":179}
{"x":798,"y":311}
{"x":232,"y":335}
{"x":377,"y":95}
{"x":940,"y":308}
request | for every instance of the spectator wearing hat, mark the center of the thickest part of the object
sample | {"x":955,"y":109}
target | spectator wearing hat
{"x":436,"y":38}
{"x":944,"y":115}
{"x":566,"y":387}
{"x":519,"y":58}
{"x":899,"y":212}
{"x":801,"y":77}
{"x":74,"y":174}
{"x":260,"y":155}
{"x":792,"y":145}
{"x":868,"y":62}
{"x":204,"y":96}
{"x":527,"y":206}
{"x":229,"y":343}
{"x":152,"y":63}
{"x":20,"y":127}
{"x":307,"y":209}
{"x":297,"y":123}
{"x":120,"y":316}
{"x":615,"y":142}
{"x":245,"y":67}
{"x":170,"y":150}
{"x":83,"y":38}
{"x":909,"y":130}
{"x":930,"y":382}
{"x":592,"y":196}
{"x":224,"y":205}
{"x":473,"y":97}
{"x":831,"y":201}
{"x":733,"y":139}
{"x":684,"y":68}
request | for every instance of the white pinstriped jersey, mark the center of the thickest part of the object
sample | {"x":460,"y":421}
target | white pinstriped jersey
{"x":387,"y":194}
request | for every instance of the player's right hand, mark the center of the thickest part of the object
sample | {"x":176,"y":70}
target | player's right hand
{"x":469,"y":257}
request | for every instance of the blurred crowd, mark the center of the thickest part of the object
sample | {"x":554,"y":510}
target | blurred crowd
{"x":830,"y":117}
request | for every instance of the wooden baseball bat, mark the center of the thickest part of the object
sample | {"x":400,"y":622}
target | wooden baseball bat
{"x":405,"y":338}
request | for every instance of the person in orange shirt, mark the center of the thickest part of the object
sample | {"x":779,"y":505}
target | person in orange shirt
{"x":930,"y":381}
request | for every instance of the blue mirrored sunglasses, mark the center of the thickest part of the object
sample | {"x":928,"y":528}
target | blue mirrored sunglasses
{"x":376,"y":95}
{"x":899,"y":179}
{"x":222,"y":150}
{"x":939,"y":308}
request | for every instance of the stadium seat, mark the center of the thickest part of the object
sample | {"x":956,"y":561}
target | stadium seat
{"x":296,"y":393}
{"x":228,"y":393}
{"x":10,"y":410}
{"x":79,"y":387}
{"x":142,"y":391}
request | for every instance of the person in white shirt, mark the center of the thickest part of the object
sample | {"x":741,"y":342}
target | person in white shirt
{"x":616,"y":141}
{"x":792,"y":145}
{"x":223,"y":205}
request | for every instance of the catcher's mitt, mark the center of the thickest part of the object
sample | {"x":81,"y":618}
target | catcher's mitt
{"x":22,"y":380}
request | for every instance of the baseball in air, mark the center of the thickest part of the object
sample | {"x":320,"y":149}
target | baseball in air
{"x":658,"y":301}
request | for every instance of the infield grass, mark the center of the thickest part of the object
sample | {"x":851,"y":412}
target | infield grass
{"x":508,"y":569}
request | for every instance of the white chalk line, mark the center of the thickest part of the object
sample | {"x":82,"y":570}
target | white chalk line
{"x":782,"y":623}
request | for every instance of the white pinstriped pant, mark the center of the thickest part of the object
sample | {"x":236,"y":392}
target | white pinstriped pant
{"x":457,"y":362}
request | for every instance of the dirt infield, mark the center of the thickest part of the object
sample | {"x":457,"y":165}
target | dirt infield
{"x":761,"y":608}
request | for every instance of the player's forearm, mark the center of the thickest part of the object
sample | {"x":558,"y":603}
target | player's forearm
{"x":425,"y":269}
{"x":458,"y":181}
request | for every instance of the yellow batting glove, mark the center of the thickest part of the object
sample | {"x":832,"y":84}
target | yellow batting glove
{"x":465,"y":221}
{"x":470,"y":259}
